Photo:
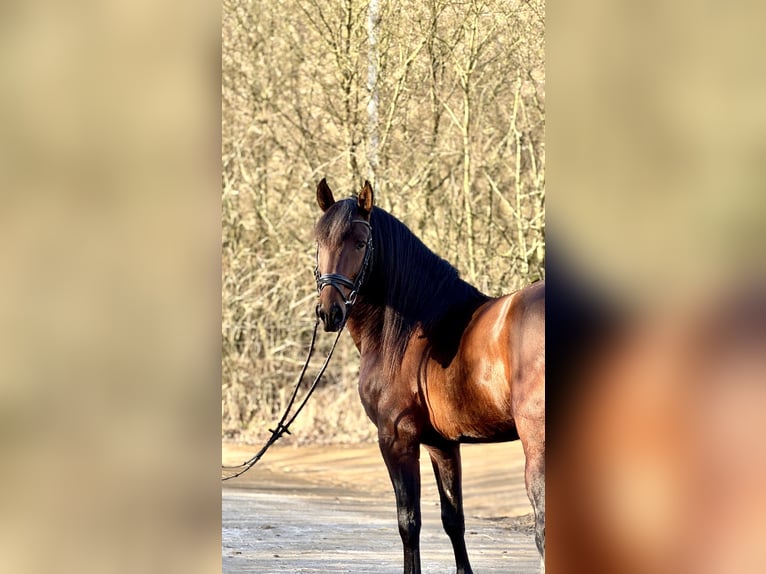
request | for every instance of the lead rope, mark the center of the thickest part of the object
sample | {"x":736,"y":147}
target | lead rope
{"x":283,"y":427}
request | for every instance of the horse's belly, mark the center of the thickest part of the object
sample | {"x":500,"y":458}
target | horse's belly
{"x":472,"y":424}
{"x":475,"y":407}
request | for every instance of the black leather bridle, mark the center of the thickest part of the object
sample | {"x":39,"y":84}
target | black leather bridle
{"x":337,"y":280}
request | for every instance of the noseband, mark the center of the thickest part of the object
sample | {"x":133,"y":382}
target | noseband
{"x":336,"y":280}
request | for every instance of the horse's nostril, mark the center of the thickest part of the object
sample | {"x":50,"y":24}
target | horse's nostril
{"x":336,"y":314}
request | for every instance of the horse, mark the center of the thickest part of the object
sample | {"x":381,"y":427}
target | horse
{"x":441,"y":363}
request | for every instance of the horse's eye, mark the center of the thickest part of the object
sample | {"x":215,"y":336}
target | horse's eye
{"x":360,"y":244}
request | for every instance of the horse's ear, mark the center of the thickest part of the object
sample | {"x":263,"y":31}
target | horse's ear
{"x":365,"y":199}
{"x":324,"y":195}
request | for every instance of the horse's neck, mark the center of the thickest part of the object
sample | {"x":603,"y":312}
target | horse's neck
{"x":366,"y":323}
{"x":356,"y":332}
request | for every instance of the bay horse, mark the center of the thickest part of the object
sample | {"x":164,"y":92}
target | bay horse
{"x":441,"y":363}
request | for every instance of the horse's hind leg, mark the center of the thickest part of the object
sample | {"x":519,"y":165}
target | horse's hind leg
{"x":446,"y":463}
{"x":532,"y":433}
{"x":535,"y":479}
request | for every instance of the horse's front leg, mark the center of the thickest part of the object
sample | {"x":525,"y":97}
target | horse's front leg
{"x":446,"y":463}
{"x":402,"y":457}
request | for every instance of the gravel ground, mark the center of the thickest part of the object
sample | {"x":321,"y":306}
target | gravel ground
{"x":274,"y":519}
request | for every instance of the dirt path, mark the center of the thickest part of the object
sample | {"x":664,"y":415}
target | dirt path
{"x":331,"y":510}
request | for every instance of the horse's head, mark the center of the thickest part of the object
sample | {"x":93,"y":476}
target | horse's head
{"x":344,"y":252}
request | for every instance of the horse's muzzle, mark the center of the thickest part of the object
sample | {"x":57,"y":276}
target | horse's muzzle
{"x":332,"y":320}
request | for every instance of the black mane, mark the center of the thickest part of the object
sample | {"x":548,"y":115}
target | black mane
{"x":409,"y":287}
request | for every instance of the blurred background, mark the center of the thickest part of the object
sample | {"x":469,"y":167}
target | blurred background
{"x":440,"y":104}
{"x":656,"y":332}
{"x":110,"y":289}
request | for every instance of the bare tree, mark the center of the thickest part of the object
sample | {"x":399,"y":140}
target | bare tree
{"x":441,"y":103}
